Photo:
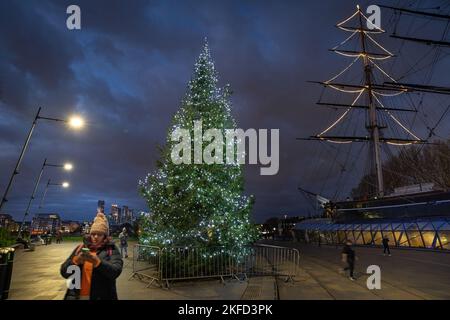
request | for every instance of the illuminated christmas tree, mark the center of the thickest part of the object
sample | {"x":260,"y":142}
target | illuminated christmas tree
{"x":198,"y":204}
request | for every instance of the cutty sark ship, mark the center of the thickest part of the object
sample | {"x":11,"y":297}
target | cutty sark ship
{"x":371,"y":96}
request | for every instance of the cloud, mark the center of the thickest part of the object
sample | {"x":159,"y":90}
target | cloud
{"x":127,"y":70}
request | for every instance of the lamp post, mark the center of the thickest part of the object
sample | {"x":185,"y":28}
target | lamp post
{"x":74,"y":122}
{"x":63,"y":184}
{"x":66,"y":166}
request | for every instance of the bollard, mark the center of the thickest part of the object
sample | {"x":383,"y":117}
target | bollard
{"x":3,"y":269}
{"x":6,"y":265}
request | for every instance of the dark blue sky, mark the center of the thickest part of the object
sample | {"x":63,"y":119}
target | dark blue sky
{"x":126,"y":72}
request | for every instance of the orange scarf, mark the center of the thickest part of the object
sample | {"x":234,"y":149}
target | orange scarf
{"x":86,"y":277}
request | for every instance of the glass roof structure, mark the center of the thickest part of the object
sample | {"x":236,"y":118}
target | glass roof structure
{"x":428,"y":233}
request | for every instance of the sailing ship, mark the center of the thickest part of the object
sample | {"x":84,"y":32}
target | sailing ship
{"x":368,"y":96}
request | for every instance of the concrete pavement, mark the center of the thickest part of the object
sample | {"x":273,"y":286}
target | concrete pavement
{"x":36,"y":277}
{"x":408,"y":274}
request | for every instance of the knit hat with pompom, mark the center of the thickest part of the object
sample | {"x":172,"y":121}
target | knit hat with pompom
{"x":100,"y":224}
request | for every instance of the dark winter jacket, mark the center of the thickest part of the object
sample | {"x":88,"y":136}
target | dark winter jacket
{"x":349,"y":252}
{"x":103,"y":285}
{"x":385,"y":242}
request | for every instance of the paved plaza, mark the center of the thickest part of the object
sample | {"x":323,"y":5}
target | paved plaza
{"x":407,"y":274}
{"x":36,"y":277}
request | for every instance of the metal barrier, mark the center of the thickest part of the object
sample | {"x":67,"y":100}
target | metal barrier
{"x":268,"y":260}
{"x":182,"y":263}
{"x":146,"y":263}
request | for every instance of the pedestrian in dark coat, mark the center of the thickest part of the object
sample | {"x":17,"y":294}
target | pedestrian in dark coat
{"x":348,"y":257}
{"x":386,"y":246}
{"x":123,"y":238}
{"x":58,"y":236}
{"x":100,"y":263}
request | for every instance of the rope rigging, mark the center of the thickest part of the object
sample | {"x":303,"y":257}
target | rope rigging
{"x":382,"y":98}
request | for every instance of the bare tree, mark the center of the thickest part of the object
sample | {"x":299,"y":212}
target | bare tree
{"x":411,"y":165}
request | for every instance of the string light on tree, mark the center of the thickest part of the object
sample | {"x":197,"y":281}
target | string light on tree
{"x":199,"y":204}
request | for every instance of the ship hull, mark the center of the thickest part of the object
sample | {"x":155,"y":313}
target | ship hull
{"x":409,"y":206}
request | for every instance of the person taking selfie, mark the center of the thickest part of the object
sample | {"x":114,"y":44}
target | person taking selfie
{"x":100,"y":264}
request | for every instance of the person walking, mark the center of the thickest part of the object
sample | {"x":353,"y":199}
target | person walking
{"x":123,"y":238}
{"x":58,"y":236}
{"x":386,"y":246}
{"x":46,"y":237}
{"x":348,"y":257}
{"x":100,"y":263}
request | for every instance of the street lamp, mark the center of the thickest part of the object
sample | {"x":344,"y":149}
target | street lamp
{"x":64,"y":184}
{"x":66,"y":166}
{"x":75,"y":122}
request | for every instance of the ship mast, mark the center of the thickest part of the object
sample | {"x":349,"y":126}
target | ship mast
{"x":373,"y":127}
{"x":373,"y":91}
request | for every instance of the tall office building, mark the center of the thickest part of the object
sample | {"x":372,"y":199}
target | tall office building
{"x":130,"y":216}
{"x":125,"y":214}
{"x":115,"y":213}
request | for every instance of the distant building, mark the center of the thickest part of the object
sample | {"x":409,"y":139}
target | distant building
{"x":44,"y":222}
{"x":127,"y":214}
{"x":101,"y":206}
{"x":26,"y":225}
{"x":115,"y":214}
{"x":5,"y":220}
{"x":123,"y":216}
{"x":130,"y":216}
{"x":13,"y":227}
{"x":69,"y":226}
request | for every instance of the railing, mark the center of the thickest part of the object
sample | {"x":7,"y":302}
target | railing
{"x":146,"y":263}
{"x":162,"y":265}
{"x":268,"y":260}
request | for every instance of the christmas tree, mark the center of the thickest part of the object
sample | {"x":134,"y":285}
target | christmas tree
{"x":199,"y":204}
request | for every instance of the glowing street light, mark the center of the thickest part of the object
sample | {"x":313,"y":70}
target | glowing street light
{"x":64,"y":184}
{"x":76,"y":122}
{"x":67,"y":166}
